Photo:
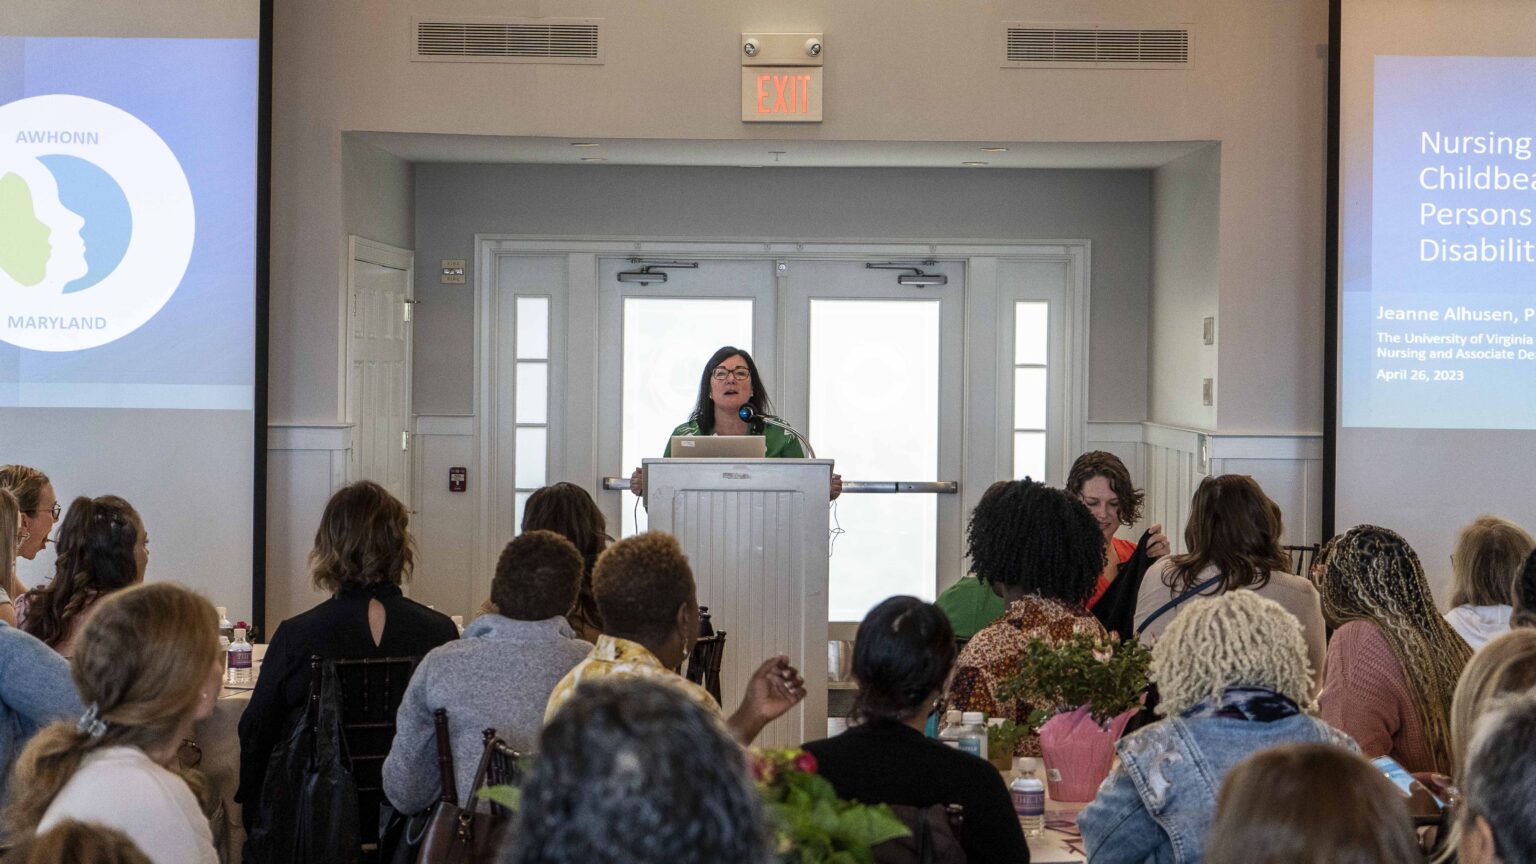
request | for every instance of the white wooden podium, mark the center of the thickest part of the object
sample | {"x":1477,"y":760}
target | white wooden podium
{"x":755,"y":532}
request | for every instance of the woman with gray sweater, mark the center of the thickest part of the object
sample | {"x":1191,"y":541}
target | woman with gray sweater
{"x":498,"y":676}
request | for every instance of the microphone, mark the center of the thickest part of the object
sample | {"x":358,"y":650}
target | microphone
{"x":749,"y":414}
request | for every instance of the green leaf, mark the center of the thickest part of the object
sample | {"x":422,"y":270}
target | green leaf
{"x":507,"y":796}
{"x":868,"y":826}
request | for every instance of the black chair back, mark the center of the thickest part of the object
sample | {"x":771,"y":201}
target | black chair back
{"x":371,"y":690}
{"x":1302,"y":558}
{"x":704,"y":663}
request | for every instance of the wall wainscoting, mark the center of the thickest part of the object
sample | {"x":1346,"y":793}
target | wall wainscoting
{"x":305,"y":465}
{"x":1168,"y":462}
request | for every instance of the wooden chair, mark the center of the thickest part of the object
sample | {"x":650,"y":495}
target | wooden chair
{"x":704,"y":663}
{"x":1302,"y":558}
{"x":371,"y":690}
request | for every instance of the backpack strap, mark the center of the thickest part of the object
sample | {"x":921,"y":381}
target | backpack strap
{"x":1171,"y":604}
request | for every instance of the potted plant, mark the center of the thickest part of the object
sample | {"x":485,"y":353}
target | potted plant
{"x":1003,"y":738}
{"x":811,"y":824}
{"x":1084,"y":690}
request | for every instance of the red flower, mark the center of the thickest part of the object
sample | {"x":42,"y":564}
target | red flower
{"x":805,"y":762}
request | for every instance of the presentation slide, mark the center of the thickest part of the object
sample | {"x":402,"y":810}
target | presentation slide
{"x":1434,"y":391}
{"x":128,"y":292}
{"x":1440,"y":331}
{"x":127,"y":222}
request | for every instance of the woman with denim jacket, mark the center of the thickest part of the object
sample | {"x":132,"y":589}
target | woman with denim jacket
{"x":1233,"y":674}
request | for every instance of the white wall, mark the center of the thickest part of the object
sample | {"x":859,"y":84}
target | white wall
{"x":1109,"y":208}
{"x":1185,"y":288}
{"x":378,"y":194}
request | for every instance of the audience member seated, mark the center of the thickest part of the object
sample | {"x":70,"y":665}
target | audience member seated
{"x":498,"y":675}
{"x":1498,"y":814}
{"x":39,"y":511}
{"x":35,"y":687}
{"x":1310,"y":803}
{"x":634,"y":771}
{"x":1488,"y":557}
{"x":1101,"y":481}
{"x":970,"y":604}
{"x":902,"y":655}
{"x":78,"y":843}
{"x":1523,"y":599}
{"x":646,"y":596}
{"x":362,"y":553}
{"x":1393,"y":662}
{"x":148,"y":668}
{"x":102,"y":548}
{"x":1233,"y":675}
{"x":1233,"y":538}
{"x":1505,"y":666}
{"x":569,"y":511}
{"x":10,"y":539}
{"x":1041,"y":551}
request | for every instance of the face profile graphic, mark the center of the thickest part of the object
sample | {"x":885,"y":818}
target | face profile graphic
{"x":41,"y":248}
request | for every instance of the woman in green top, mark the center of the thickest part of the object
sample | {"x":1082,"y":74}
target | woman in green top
{"x":729,"y":381}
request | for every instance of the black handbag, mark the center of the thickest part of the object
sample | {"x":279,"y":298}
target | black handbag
{"x":401,"y":835}
{"x":308,"y":808}
{"x":936,"y":832}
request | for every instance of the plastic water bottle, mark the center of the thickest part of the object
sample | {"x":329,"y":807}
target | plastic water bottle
{"x":239,"y":674}
{"x":1028,"y":797}
{"x":949,"y":733}
{"x":226,"y":629}
{"x":973,"y":733}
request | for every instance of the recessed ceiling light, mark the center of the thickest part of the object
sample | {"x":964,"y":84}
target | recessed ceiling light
{"x":973,"y":164}
{"x":994,"y":149}
{"x":593,"y":159}
{"x":584,"y":144}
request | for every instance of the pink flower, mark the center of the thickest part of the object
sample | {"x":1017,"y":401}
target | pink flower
{"x":805,"y":762}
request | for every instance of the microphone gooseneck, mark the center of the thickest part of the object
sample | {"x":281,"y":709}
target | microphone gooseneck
{"x":749,"y":414}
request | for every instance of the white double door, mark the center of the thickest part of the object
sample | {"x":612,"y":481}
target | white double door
{"x":871,"y":371}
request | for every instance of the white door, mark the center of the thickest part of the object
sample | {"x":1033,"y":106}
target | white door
{"x":379,"y":365}
{"x":878,"y":377}
{"x":665,"y":332}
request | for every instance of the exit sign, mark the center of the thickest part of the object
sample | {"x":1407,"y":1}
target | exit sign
{"x":781,"y":94}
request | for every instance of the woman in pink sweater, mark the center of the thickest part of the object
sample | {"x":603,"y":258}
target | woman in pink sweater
{"x":1393,"y":661}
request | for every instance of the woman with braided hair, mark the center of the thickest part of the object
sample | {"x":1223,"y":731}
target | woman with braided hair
{"x":102,"y":548}
{"x":1393,"y":663}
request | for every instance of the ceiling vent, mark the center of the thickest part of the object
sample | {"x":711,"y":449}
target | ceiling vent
{"x":508,"y":40}
{"x":1030,"y":45}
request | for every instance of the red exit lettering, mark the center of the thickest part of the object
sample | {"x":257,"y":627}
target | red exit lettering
{"x":783,"y":94}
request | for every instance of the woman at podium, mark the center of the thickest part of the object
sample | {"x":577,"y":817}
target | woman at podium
{"x":729,"y":383}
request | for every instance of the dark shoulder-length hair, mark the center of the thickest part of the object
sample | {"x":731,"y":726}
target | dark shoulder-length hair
{"x":704,"y":409}
{"x":569,"y":511}
{"x":95,"y":557}
{"x":1234,"y":527}
{"x":901,"y":657}
{"x":362,"y":540}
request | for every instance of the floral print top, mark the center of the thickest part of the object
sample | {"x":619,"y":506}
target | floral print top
{"x":613,"y":657}
{"x":993,"y":655}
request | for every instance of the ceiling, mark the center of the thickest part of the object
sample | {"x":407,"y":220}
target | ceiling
{"x":431,"y":147}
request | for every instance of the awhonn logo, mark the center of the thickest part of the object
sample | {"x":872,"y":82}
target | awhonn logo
{"x":96,"y":223}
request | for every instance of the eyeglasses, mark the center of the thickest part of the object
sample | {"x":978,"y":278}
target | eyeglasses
{"x":55,"y":511}
{"x":738,"y":374}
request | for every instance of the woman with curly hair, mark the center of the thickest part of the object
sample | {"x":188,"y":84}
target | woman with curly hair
{"x":1394,"y":661}
{"x":1233,"y":542}
{"x":1234,"y":679}
{"x":1100,"y":480}
{"x":631,"y":771}
{"x":1041,"y":551}
{"x":102,"y":548}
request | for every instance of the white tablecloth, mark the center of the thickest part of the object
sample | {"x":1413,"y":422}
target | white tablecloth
{"x":219,"y":738}
{"x":1061,"y":842}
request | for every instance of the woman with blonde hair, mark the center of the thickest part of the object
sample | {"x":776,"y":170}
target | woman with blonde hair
{"x":1394,"y":661}
{"x":363,"y":552}
{"x":1233,"y":541}
{"x":1505,"y":665}
{"x":1234,"y":679}
{"x":39,"y":511}
{"x":1307,"y":803}
{"x":78,"y":843}
{"x":1488,"y":557}
{"x":102,"y":548}
{"x":10,"y":538}
{"x":148,"y":668}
